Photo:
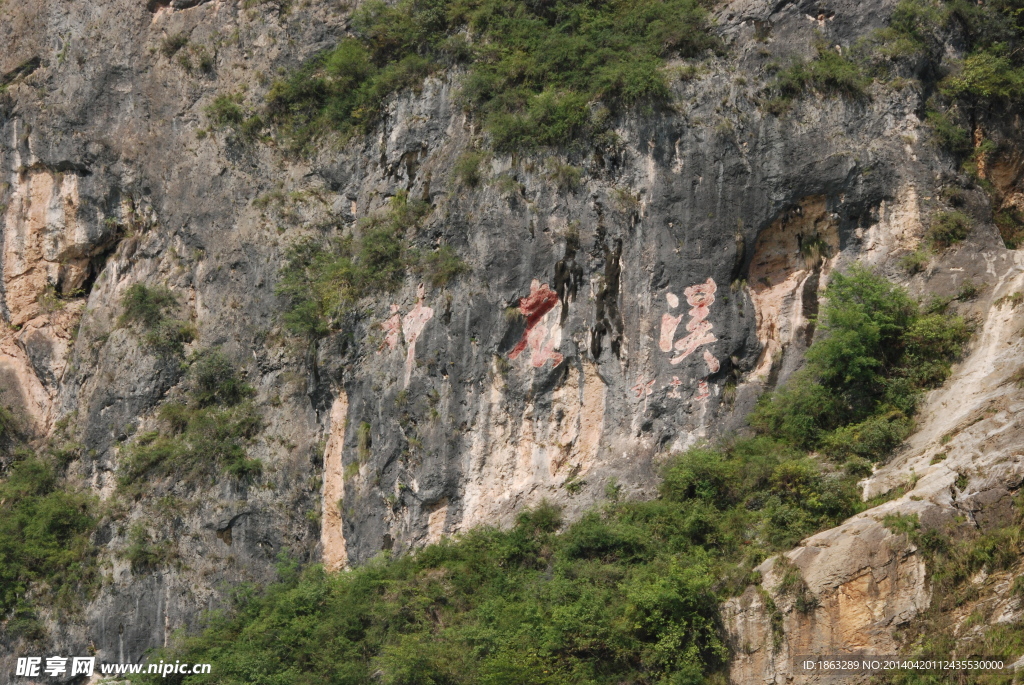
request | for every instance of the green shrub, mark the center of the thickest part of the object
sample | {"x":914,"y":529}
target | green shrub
{"x":901,"y":524}
{"x":985,"y":76}
{"x":948,"y":135}
{"x":967,"y":291}
{"x":441,"y":266}
{"x":565,"y":176}
{"x":209,"y":432}
{"x":147,"y":308}
{"x":531,"y":69}
{"x":204,"y":60}
{"x":877,"y":436}
{"x":214,"y":380}
{"x":168,"y":338}
{"x":858,"y":391}
{"x":226,"y":110}
{"x":44,"y":539}
{"x":322,"y":284}
{"x":142,"y":553}
{"x":948,"y":228}
{"x":364,"y":441}
{"x":172,"y":43}
{"x":1010,"y":222}
{"x":7,"y":422}
{"x":467,"y":168}
{"x":828,"y":73}
{"x":916,"y":261}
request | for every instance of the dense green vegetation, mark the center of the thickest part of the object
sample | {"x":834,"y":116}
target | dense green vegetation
{"x":855,"y":396}
{"x":7,"y":423}
{"x":147,"y":309}
{"x":323,"y":284}
{"x":201,"y":435}
{"x":45,"y":552}
{"x":914,"y":42}
{"x":630,"y":592}
{"x":532,"y":70}
{"x":990,"y":34}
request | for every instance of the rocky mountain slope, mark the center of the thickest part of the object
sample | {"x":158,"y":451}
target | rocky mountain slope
{"x":619,"y":302}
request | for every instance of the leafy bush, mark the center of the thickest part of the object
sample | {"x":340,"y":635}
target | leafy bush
{"x":986,"y":75}
{"x":441,"y":266}
{"x":858,"y":390}
{"x":7,"y":423}
{"x":532,"y":68}
{"x":1010,"y":222}
{"x":214,"y":380}
{"x":226,"y":110}
{"x":172,"y":43}
{"x":948,"y":228}
{"x":901,"y":524}
{"x":142,"y":553}
{"x":44,"y":539}
{"x":467,"y":168}
{"x":948,"y":135}
{"x":146,"y":306}
{"x":916,"y":261}
{"x":565,"y":176}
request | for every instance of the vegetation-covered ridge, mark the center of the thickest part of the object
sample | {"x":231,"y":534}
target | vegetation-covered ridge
{"x":535,"y":73}
{"x":629,"y":593}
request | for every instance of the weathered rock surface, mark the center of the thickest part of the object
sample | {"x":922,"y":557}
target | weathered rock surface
{"x":600,"y":329}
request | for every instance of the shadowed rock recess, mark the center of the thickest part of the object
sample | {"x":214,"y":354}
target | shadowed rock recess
{"x":614,"y":302}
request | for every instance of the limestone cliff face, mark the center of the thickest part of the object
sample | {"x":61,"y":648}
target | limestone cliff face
{"x":602,"y":327}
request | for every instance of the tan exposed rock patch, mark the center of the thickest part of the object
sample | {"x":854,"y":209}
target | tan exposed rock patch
{"x":436,"y":520}
{"x":899,"y":228}
{"x":866,"y":581}
{"x":512,"y":465}
{"x":45,"y":254}
{"x":801,"y":243}
{"x":44,"y":242}
{"x":332,"y":534}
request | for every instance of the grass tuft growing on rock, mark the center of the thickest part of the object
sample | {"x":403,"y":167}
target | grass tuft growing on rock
{"x":323,"y":283}
{"x":947,"y":229}
{"x":147,"y":309}
{"x":829,"y":73}
{"x":206,"y":433}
